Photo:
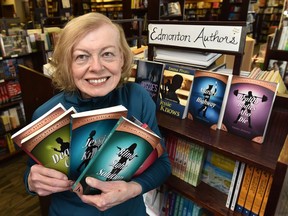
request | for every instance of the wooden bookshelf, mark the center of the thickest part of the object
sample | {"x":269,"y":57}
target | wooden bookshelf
{"x":263,"y":156}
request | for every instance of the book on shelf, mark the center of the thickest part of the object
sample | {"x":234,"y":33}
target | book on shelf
{"x":38,"y":123}
{"x":283,"y":40}
{"x":89,"y":130}
{"x":13,"y":45}
{"x":233,"y":183}
{"x":175,"y":90}
{"x":252,"y":191}
{"x":208,"y":97}
{"x":49,"y":145}
{"x":247,"y":178}
{"x":10,"y":68}
{"x":195,"y":59}
{"x":237,"y":186}
{"x":217,"y":171}
{"x":263,"y":182}
{"x":276,"y":73}
{"x":123,"y":152}
{"x":149,"y":75}
{"x":248,"y":108}
{"x":266,"y":195}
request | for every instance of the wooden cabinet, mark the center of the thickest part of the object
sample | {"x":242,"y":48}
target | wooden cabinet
{"x":263,"y":156}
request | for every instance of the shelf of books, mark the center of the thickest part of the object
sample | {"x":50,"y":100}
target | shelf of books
{"x":222,"y":167}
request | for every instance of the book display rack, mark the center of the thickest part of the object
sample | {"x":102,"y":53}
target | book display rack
{"x":264,"y":156}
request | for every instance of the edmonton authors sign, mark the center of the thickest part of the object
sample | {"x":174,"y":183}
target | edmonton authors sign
{"x":224,"y":38}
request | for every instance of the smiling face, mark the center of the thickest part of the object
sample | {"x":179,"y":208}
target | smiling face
{"x":97,"y":62}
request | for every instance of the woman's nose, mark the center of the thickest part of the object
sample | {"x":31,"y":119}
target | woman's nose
{"x":95,"y":63}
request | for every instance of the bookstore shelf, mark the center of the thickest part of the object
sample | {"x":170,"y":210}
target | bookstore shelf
{"x":263,"y":156}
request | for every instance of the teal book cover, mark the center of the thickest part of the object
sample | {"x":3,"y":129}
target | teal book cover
{"x":89,"y":130}
{"x":123,"y":152}
{"x":50,"y":144}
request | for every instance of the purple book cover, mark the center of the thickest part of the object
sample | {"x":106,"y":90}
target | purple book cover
{"x":248,"y":108}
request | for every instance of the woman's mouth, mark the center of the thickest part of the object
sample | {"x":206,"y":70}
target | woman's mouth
{"x":97,"y":81}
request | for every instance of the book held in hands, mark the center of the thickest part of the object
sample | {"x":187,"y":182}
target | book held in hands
{"x":89,"y":130}
{"x":123,"y":152}
{"x":50,"y":144}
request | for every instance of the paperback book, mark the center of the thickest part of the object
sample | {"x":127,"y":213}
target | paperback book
{"x":123,"y":152}
{"x":248,"y":108}
{"x":38,"y":123}
{"x":208,"y":97}
{"x":88,"y":132}
{"x":176,"y":90}
{"x":149,"y":75}
{"x":50,"y":144}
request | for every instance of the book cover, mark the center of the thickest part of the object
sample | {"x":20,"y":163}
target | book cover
{"x":260,"y":193}
{"x":209,"y":92}
{"x":149,"y":75}
{"x":10,"y":68}
{"x":248,"y":108}
{"x":237,"y":186}
{"x":50,"y":144}
{"x":175,"y":90}
{"x":217,"y":171}
{"x":252,"y":191}
{"x":38,"y":123}
{"x":123,"y":152}
{"x":89,"y":130}
{"x":244,"y":188}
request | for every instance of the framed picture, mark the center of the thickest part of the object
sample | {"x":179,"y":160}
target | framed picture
{"x":278,"y":65}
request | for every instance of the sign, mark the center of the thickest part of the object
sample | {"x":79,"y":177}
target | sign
{"x":224,"y":38}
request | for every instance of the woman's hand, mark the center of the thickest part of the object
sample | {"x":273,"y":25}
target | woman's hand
{"x":45,"y":181}
{"x":113,"y":193}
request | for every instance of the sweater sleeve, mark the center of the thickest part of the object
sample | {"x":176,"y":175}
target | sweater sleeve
{"x":160,"y":170}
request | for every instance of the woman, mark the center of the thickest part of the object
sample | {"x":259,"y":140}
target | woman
{"x":92,"y":60}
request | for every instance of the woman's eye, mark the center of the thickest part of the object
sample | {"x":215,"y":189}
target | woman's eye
{"x":108,"y":54}
{"x":81,"y":57}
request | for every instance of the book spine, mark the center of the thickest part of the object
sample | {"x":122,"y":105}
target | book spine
{"x":252,"y":191}
{"x":189,"y":161}
{"x":233,"y":183}
{"x":193,"y":165}
{"x":260,"y":193}
{"x":244,"y":188}
{"x":198,"y":166}
{"x":266,"y":195}
{"x":237,"y":186}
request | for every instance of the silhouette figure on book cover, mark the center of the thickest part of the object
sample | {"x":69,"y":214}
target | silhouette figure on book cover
{"x":92,"y":146}
{"x":245,"y":111}
{"x":64,"y":146}
{"x":170,"y":88}
{"x":125,"y":155}
{"x":207,"y":93}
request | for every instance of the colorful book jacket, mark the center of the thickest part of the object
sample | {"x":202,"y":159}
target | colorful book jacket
{"x":248,"y":108}
{"x":50,"y":144}
{"x":208,"y":95}
{"x":38,"y":123}
{"x":218,"y":171}
{"x":123,"y":152}
{"x":149,"y":75}
{"x":176,"y":90}
{"x":89,"y":130}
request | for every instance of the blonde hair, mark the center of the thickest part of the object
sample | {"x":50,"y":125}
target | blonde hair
{"x":71,"y":34}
